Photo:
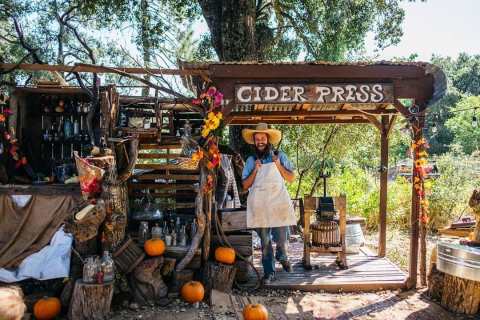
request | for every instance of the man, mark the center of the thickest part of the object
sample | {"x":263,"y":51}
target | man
{"x":269,"y":207}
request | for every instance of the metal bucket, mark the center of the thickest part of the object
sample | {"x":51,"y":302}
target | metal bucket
{"x":354,"y":238}
{"x":459,"y":260}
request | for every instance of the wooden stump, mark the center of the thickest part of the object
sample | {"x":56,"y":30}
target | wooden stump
{"x":460,"y":295}
{"x":90,"y":301}
{"x":219,"y":276}
{"x":146,"y":282}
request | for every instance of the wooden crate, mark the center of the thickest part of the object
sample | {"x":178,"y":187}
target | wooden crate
{"x":233,"y":220}
{"x":242,"y":242}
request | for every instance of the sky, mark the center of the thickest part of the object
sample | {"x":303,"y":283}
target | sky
{"x":444,"y":27}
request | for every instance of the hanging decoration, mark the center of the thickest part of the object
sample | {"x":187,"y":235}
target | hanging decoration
{"x":210,"y":101}
{"x":419,"y":149}
{"x":9,"y":147}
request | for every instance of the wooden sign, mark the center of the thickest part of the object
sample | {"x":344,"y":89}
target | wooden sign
{"x":314,"y":93}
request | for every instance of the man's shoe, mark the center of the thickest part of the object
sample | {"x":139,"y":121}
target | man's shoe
{"x":286,"y":265}
{"x":268,"y":279}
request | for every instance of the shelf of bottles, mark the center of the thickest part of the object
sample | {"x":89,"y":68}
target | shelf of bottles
{"x":64,"y":130}
{"x":174,"y":230}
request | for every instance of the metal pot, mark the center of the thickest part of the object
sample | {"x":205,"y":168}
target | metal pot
{"x":459,"y":260}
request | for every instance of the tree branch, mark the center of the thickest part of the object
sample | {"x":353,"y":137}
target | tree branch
{"x":23,"y":42}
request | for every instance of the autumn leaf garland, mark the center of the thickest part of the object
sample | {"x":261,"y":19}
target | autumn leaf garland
{"x":210,"y":101}
{"x":419,"y":149}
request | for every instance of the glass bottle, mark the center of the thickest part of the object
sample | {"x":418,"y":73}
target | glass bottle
{"x":76,"y":128}
{"x":165,"y":230}
{"x":68,"y":129}
{"x":89,"y":270}
{"x":108,"y":267}
{"x":173,"y":234}
{"x":157,"y":232}
{"x":178,"y":225}
{"x":182,"y":236}
{"x":143,"y":232}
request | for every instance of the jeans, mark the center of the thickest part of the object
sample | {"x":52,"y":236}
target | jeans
{"x":280,"y":236}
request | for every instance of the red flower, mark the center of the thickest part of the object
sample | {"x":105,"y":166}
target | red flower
{"x":197,"y":102}
{"x":211,"y":91}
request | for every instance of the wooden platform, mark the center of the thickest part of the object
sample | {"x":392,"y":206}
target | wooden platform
{"x":365,"y":273}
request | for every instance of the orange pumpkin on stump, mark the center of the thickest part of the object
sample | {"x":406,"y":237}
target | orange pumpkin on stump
{"x":255,"y":312}
{"x":225,"y":255}
{"x":47,"y":308}
{"x":193,"y":292}
{"x":154,"y":247}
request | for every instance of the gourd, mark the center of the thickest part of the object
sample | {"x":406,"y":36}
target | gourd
{"x":154,"y":247}
{"x":255,"y":312}
{"x":193,"y":292}
{"x":225,"y":255}
{"x":47,"y":308}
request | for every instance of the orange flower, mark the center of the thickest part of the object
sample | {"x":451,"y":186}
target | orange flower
{"x":197,"y":156}
{"x":2,"y":118}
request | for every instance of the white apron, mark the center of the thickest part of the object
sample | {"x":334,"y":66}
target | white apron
{"x":268,"y":203}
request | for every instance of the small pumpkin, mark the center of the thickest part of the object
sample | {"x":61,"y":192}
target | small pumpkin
{"x":193,"y":291}
{"x":255,"y":312}
{"x":225,"y":255}
{"x":47,"y":308}
{"x":154,"y":247}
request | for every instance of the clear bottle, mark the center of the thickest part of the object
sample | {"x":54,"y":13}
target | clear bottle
{"x":108,"y":267}
{"x":89,"y":270}
{"x":143,"y":232}
{"x":182,"y":236}
{"x":157,"y":232}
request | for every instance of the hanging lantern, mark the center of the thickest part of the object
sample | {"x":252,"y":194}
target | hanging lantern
{"x":474,"y":119}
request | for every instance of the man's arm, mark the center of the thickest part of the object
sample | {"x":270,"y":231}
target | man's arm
{"x":286,"y":174}
{"x":247,"y":183}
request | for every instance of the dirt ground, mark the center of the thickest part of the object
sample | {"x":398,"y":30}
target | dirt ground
{"x":391,"y":305}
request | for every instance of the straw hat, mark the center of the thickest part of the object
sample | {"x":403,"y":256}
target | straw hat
{"x":274,"y":136}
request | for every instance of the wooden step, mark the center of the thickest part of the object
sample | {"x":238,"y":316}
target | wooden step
{"x":158,"y":166}
{"x":153,"y":146}
{"x":154,"y":176}
{"x":159,"y":186}
{"x":159,"y":155}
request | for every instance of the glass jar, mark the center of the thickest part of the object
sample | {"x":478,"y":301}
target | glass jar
{"x":157,"y":232}
{"x":143,"y":234}
{"x":108,"y":267}
{"x":90,"y":269}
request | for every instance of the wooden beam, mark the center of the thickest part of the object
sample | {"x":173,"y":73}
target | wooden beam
{"x":382,"y":229}
{"x":101,"y":69}
{"x":304,"y":121}
{"x":293,"y":113}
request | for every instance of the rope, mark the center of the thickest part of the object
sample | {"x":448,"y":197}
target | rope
{"x":224,"y":241}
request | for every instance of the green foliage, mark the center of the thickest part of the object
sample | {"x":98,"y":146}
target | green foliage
{"x":450,"y":192}
{"x":465,"y":134}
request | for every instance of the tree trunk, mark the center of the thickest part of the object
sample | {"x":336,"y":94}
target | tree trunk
{"x":90,"y":301}
{"x":232,"y":28}
{"x":219,"y":276}
{"x":146,"y":41}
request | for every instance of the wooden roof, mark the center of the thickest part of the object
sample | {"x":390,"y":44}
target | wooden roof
{"x":420,"y":82}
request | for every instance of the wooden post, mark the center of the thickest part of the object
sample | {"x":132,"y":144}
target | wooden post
{"x":341,"y":204}
{"x":207,"y":233}
{"x":382,"y":237}
{"x":414,"y":220}
{"x":309,"y":206}
{"x":90,"y":301}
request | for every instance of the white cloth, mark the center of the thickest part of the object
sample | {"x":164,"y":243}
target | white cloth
{"x":53,"y":261}
{"x":268,"y":203}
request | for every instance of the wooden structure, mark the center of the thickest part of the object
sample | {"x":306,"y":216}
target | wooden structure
{"x":296,"y":93}
{"x":91,"y":301}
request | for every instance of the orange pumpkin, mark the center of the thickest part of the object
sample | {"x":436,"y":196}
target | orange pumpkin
{"x":225,"y":255}
{"x":47,"y":308}
{"x":154,"y":247}
{"x":193,"y":291}
{"x":255,"y":312}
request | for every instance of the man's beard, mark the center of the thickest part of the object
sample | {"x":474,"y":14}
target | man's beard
{"x":263,"y":153}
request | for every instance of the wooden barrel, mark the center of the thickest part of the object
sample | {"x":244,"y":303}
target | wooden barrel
{"x":128,"y":256}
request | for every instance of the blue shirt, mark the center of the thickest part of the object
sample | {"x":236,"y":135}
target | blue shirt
{"x":250,"y":164}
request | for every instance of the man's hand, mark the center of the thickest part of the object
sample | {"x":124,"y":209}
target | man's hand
{"x":287,"y":175}
{"x":258,"y":164}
